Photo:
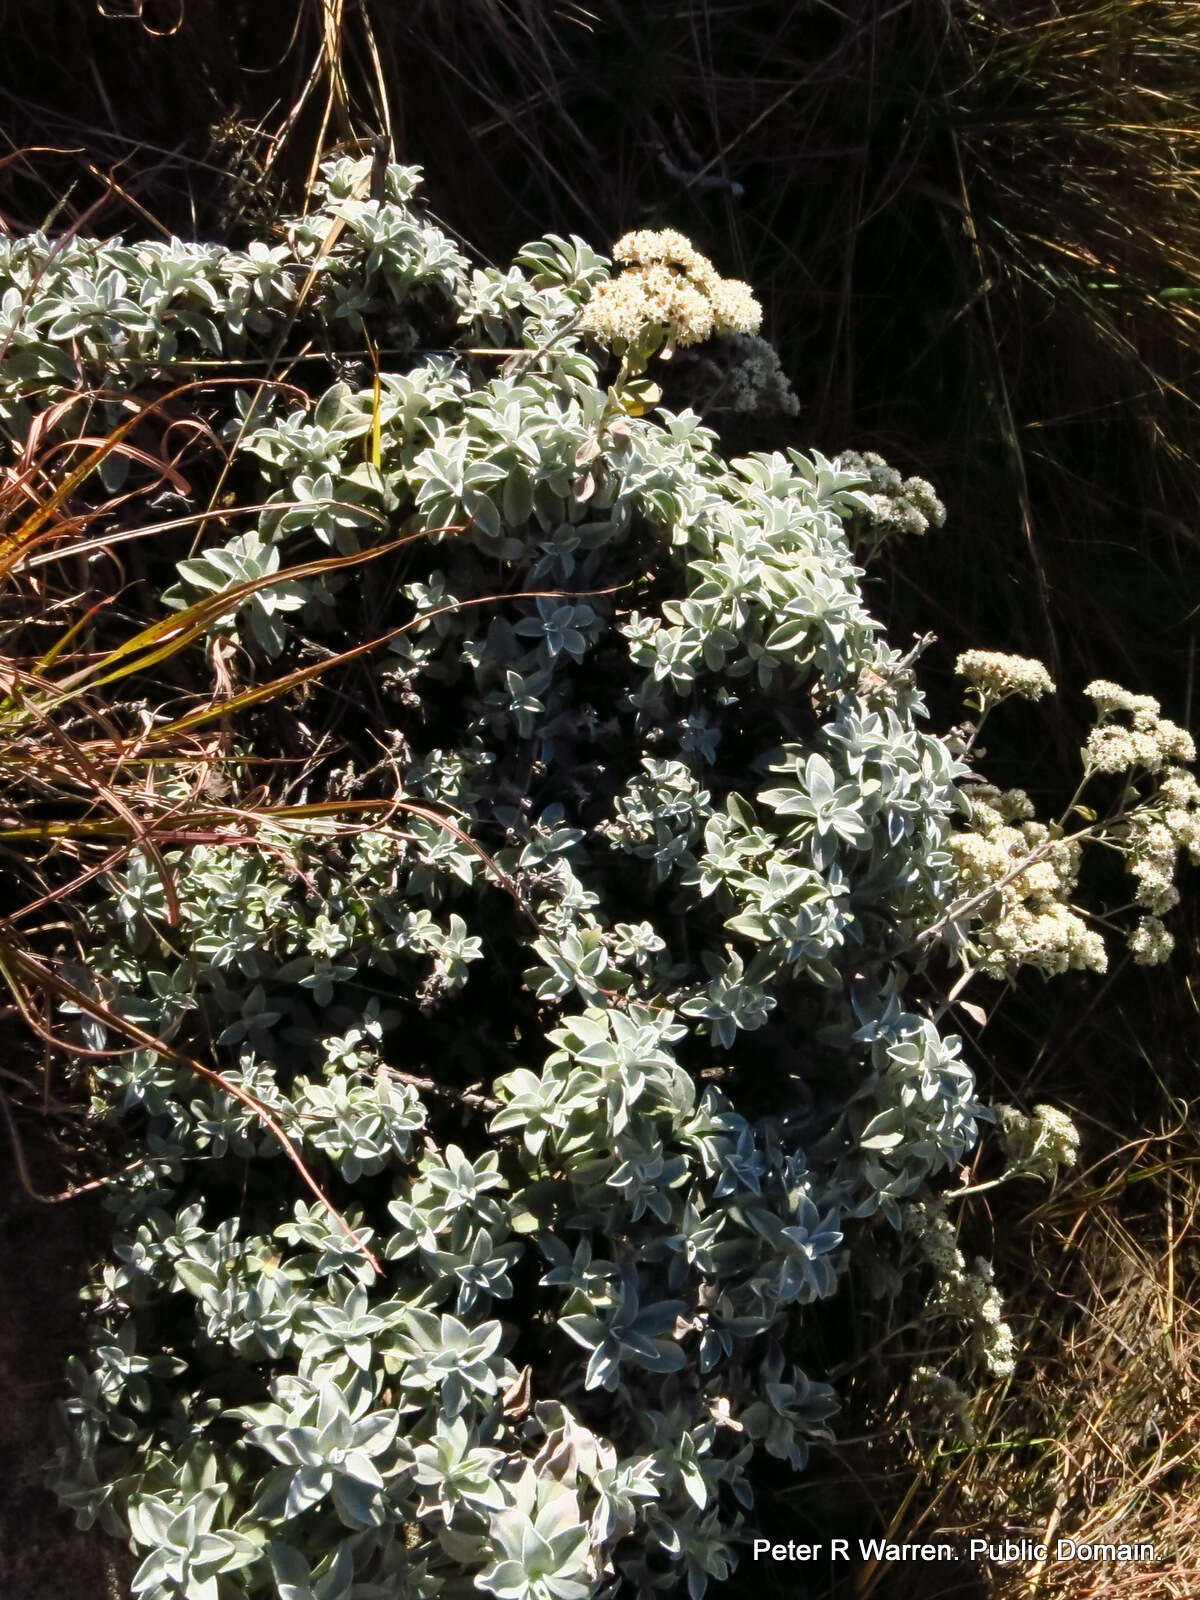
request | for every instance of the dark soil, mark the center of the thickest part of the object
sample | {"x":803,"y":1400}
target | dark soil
{"x":45,"y":1255}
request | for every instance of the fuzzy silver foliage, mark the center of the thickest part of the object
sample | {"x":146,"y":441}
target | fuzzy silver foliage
{"x":608,"y":1142}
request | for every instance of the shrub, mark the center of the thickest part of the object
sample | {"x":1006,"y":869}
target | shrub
{"x":580,"y":996}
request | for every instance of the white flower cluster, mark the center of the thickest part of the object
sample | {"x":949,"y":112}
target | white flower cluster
{"x":1151,"y":943}
{"x":900,"y":506}
{"x":1153,"y":854}
{"x":1028,"y":920}
{"x":1132,"y":736}
{"x":937,"y":1236}
{"x":979,"y":1302}
{"x":1154,"y":838}
{"x":967,"y":1293}
{"x":996,"y":675}
{"x":668,"y":294}
{"x":1148,"y":739}
{"x":1039,"y":1143}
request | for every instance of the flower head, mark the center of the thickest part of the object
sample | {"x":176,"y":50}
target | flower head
{"x":667,"y":294}
{"x":1150,"y":943}
{"x":1147,"y":739}
{"x":996,"y":676}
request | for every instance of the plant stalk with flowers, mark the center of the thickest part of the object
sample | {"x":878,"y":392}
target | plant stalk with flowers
{"x":1018,"y":874}
{"x":667,"y":296}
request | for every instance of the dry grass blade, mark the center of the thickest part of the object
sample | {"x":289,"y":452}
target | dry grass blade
{"x":74,"y":781}
{"x":302,"y":675}
{"x":1097,"y":1440}
{"x":60,"y":746}
{"x":1082,"y":129}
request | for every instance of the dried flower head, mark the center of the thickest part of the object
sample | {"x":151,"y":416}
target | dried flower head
{"x":904,"y":507}
{"x":756,"y":380}
{"x":943,"y":1401}
{"x":967,"y":1293}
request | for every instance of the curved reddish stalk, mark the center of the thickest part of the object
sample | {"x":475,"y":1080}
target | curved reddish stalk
{"x":30,"y":967}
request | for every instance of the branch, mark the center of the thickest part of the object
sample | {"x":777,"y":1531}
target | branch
{"x":964,"y":908}
{"x":429,"y":1086}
